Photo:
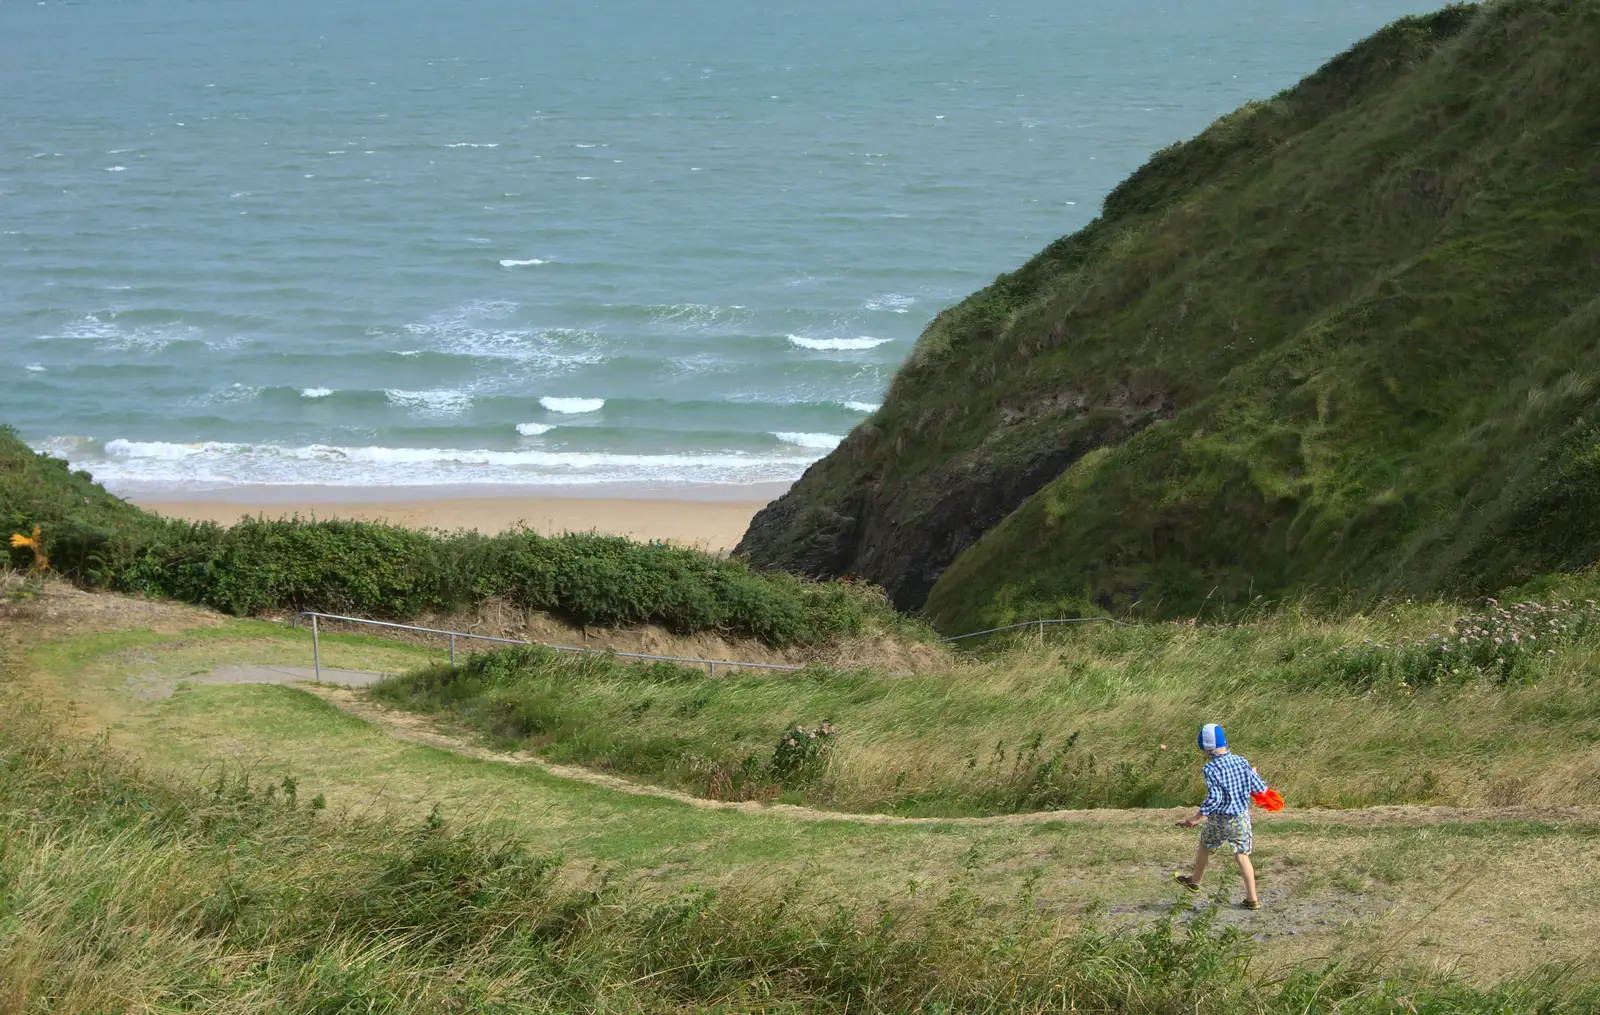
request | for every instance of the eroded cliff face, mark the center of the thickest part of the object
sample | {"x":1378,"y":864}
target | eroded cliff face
{"x":903,"y":528}
{"x":1345,"y":339}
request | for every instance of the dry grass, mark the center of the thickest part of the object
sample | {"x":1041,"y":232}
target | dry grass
{"x":498,"y":618}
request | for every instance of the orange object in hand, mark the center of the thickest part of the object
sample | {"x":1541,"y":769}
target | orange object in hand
{"x":1268,"y":801}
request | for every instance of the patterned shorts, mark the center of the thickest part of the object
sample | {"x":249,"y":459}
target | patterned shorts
{"x":1227,"y":830}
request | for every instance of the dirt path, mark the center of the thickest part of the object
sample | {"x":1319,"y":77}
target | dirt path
{"x":417,"y":729}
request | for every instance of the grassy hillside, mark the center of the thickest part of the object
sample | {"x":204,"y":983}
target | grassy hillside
{"x":388,"y":571}
{"x":1343,"y":341}
{"x":1414,"y":706}
{"x":122,"y":890}
{"x":315,"y":912}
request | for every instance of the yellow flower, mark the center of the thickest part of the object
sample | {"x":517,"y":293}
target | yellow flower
{"x":34,"y":543}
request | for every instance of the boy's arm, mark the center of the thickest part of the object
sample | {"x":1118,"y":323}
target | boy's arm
{"x":1213,"y":797}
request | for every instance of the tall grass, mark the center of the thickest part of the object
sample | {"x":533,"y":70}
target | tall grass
{"x":388,"y":571}
{"x":1342,"y":712}
{"x":124,"y":892}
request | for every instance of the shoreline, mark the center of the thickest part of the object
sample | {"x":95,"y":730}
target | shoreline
{"x":708,"y":517}
{"x":273,"y":493}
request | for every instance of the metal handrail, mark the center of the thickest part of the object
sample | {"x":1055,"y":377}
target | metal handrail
{"x":1040,"y":625}
{"x":710,"y":664}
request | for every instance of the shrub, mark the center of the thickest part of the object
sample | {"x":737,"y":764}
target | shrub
{"x":802,"y":752}
{"x":375,"y":570}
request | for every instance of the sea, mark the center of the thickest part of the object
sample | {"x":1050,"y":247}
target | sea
{"x":480,"y":243}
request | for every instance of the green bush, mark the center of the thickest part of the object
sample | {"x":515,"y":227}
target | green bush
{"x":375,"y":570}
{"x":801,"y":752}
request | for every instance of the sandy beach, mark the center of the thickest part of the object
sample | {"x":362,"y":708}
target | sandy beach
{"x":712,"y":518}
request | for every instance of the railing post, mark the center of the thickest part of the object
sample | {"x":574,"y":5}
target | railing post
{"x":316,"y":648}
{"x":711,"y":670}
{"x":452,"y":650}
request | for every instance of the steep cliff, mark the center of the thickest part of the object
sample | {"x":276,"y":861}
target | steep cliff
{"x":1345,"y":340}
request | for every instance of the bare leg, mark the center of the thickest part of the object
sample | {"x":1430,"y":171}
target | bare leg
{"x":1249,"y":871}
{"x":1201,"y":855}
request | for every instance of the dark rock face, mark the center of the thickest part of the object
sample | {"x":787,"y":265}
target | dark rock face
{"x":903,"y":533}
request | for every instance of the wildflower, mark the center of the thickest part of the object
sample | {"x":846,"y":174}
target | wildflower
{"x":1163,"y":747}
{"x":34,"y":543}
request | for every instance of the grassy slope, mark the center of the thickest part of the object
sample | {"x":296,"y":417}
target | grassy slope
{"x":1330,"y":711}
{"x":1344,"y":339}
{"x":245,"y":905}
{"x":127,"y":892}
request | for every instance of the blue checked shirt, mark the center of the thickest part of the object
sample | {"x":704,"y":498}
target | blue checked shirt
{"x":1229,"y":782}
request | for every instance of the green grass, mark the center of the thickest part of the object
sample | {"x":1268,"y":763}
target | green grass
{"x":369,"y":569}
{"x":122,"y":888}
{"x":1332,"y":890}
{"x":1340,"y":344}
{"x":112,"y":672}
{"x":1335,"y":713}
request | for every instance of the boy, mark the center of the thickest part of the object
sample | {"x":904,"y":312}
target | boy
{"x":1226,"y":811}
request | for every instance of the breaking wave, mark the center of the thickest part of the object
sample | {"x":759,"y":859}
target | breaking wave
{"x":129,"y":465}
{"x":825,"y":441}
{"x":571,"y":406}
{"x":837,"y":344}
{"x":431,"y":403}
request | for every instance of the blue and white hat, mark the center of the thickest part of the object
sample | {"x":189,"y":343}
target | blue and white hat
{"x":1212,"y":737}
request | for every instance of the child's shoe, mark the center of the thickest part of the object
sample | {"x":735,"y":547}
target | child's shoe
{"x":1184,"y":880}
{"x":1250,"y":904}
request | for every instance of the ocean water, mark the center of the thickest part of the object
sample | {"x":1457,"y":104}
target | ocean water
{"x":496,"y":242}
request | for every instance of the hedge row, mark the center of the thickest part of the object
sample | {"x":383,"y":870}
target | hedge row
{"x":388,"y":571}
